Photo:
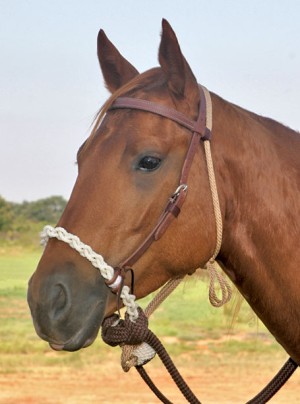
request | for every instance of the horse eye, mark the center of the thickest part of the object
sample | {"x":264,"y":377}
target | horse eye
{"x":149,"y":163}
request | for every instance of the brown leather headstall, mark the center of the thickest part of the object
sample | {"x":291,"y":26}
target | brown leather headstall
{"x":175,"y":202}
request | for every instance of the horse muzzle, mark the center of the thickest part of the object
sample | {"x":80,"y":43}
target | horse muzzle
{"x":67,"y":307}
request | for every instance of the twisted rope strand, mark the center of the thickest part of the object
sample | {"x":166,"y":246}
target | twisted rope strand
{"x":215,"y":198}
{"x":164,"y":292}
{"x":276,"y":383}
{"x":215,"y":276}
{"x":212,"y":177}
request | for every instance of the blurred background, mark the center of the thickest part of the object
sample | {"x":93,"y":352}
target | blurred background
{"x":50,"y":90}
{"x":51,"y":86}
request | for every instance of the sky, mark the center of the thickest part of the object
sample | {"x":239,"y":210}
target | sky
{"x":247,"y":51}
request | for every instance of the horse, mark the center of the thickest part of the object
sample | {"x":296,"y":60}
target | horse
{"x":127,"y":169}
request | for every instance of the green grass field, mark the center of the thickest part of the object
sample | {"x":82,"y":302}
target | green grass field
{"x":186,"y":321}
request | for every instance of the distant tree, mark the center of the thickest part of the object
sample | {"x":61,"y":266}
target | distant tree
{"x":6,"y":214}
{"x":20,"y":223}
{"x":43,"y":210}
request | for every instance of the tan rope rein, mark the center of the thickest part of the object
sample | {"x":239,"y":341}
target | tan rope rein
{"x":214,"y":274}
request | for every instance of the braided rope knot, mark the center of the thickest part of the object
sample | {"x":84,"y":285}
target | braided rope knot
{"x":131,"y":337}
{"x":116,"y":331}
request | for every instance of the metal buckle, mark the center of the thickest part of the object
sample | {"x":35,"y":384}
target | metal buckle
{"x":182,"y":187}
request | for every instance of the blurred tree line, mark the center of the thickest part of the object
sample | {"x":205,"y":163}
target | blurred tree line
{"x":20,"y":223}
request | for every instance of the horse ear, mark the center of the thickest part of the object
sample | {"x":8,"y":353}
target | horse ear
{"x":177,"y":70}
{"x":116,"y":70}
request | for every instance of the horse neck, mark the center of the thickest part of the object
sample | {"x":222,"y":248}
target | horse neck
{"x":258,"y":173}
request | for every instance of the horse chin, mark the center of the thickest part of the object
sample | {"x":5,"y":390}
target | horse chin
{"x":74,"y":345}
{"x":82,"y":339}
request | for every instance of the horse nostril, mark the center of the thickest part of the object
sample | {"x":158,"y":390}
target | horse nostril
{"x":60,"y":301}
{"x":61,"y":297}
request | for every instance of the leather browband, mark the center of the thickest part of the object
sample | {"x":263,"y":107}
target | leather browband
{"x":198,"y":126}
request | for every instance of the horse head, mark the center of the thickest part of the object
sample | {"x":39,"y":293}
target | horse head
{"x":127,"y":170}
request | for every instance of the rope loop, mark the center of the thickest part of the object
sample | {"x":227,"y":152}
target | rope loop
{"x":217,"y":278}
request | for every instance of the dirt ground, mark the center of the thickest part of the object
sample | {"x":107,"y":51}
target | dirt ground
{"x":220,"y":383}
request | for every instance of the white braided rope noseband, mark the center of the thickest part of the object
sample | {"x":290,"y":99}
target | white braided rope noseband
{"x":96,"y":260}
